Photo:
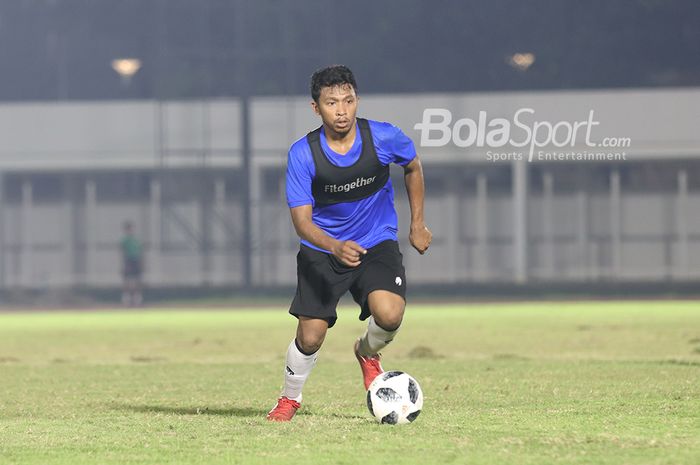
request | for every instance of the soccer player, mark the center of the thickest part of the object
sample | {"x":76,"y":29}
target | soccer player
{"x":342,"y":206}
{"x":131,"y":267}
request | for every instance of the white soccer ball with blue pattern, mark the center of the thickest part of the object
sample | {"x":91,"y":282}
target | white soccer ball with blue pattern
{"x":395,"y":398}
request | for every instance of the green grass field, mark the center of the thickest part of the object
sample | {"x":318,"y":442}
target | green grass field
{"x":532,"y":383}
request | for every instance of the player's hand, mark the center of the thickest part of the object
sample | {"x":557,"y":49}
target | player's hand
{"x":420,"y":237}
{"x":349,"y":252}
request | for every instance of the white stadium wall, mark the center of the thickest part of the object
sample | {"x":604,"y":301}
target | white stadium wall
{"x":193,"y":233}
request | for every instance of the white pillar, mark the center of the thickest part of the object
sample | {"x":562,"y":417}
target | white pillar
{"x":615,"y":224}
{"x":452,"y":229}
{"x":282,"y":233}
{"x":548,"y":224}
{"x":582,"y":237}
{"x":519,"y":195}
{"x":3,"y":254}
{"x":682,"y":268}
{"x":90,"y":231}
{"x":154,"y":251}
{"x":25,"y":239}
{"x":219,"y":242}
{"x":256,"y":226}
{"x":70,"y":277}
{"x":481,"y":255}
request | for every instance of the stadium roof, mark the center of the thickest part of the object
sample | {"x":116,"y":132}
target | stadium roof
{"x":64,"y":49}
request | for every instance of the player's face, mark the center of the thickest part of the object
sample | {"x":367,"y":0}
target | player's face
{"x":337,"y":106}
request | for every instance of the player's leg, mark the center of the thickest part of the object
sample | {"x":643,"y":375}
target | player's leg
{"x":319,"y":287}
{"x":127,"y":291}
{"x":387,"y":311}
{"x":302,"y":354}
{"x":380,"y":291}
{"x":126,"y":295}
{"x":137,"y":298}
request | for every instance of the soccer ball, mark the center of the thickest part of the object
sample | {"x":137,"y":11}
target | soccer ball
{"x":394,"y":397}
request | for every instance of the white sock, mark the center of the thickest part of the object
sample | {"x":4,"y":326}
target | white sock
{"x":297,"y":369}
{"x":375,"y":338}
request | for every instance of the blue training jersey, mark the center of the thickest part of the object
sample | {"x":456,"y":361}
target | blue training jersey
{"x":368,"y":221}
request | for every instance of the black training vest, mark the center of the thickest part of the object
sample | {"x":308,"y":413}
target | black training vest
{"x":334,"y":184}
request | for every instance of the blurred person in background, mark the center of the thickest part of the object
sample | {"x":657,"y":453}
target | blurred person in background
{"x":132,"y":267}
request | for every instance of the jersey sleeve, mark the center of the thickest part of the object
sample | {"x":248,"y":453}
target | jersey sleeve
{"x":298,"y":185}
{"x":396,"y":147}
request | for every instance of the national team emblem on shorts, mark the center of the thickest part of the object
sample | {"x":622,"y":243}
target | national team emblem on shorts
{"x":398,"y":281}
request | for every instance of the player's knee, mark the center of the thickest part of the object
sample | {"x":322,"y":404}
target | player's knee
{"x":391,"y":318}
{"x":310,"y":343}
{"x":387,"y":309}
{"x":310,"y":334}
{"x":390,"y":323}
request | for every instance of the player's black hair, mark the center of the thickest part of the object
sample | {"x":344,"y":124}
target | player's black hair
{"x":335,"y":75}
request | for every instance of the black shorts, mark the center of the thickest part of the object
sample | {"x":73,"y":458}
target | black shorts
{"x":322,"y":279}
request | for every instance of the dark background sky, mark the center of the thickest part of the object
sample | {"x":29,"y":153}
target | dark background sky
{"x":62,"y":49}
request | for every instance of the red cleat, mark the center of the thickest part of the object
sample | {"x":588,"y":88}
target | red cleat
{"x":371,"y":366}
{"x":284,"y":410}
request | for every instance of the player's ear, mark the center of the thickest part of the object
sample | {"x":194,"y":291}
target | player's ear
{"x":314,"y":107}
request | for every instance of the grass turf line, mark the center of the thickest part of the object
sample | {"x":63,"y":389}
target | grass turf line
{"x":531,"y":383}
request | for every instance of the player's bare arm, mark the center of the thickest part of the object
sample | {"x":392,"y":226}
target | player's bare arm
{"x":420,"y":236}
{"x":347,"y":252}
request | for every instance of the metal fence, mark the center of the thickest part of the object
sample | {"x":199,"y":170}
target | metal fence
{"x":208,"y":201}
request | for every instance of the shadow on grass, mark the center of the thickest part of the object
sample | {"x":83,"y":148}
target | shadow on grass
{"x":231,"y":411}
{"x":685,"y":363}
{"x":347,"y":417}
